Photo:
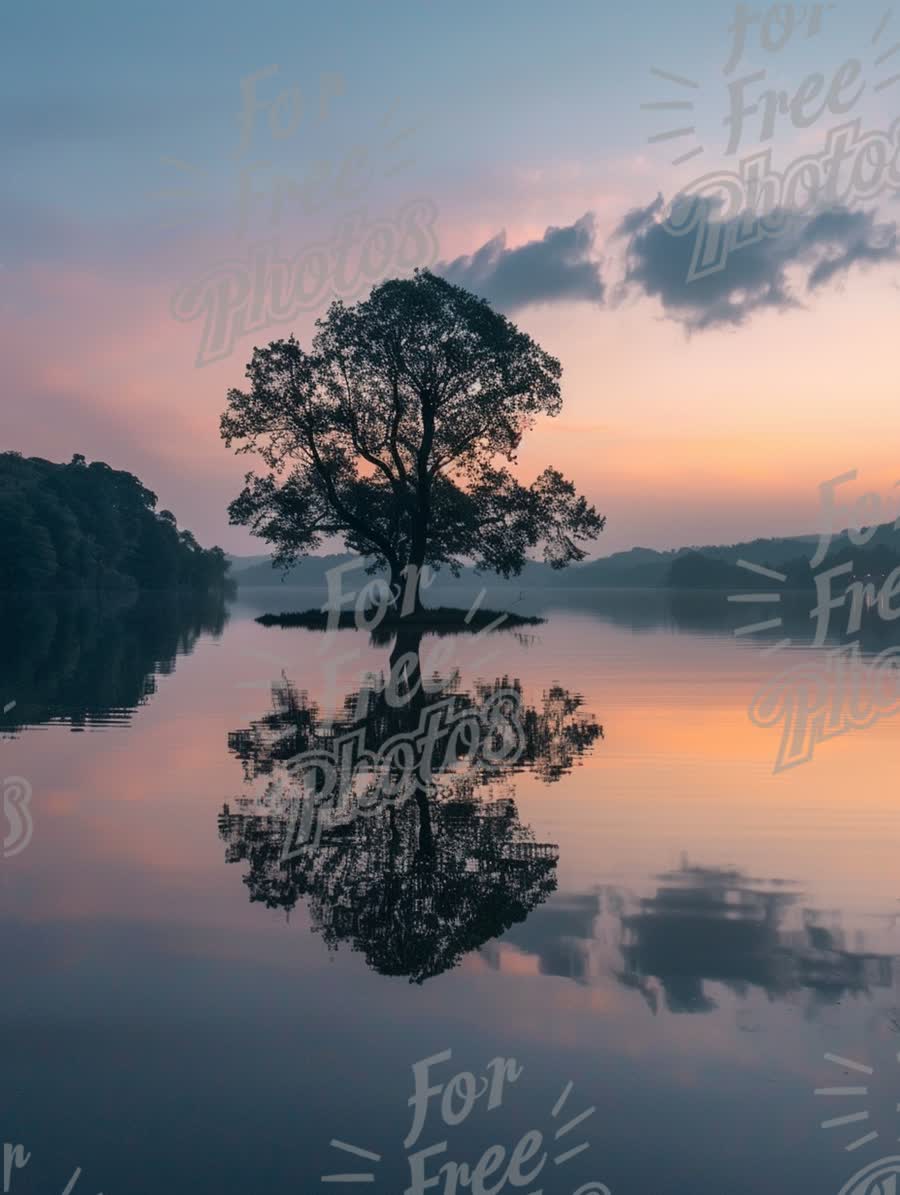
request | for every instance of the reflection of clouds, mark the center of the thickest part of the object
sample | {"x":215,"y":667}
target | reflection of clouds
{"x":706,"y":926}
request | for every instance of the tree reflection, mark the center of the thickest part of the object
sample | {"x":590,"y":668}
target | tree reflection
{"x":415,"y":882}
{"x":92,"y":659}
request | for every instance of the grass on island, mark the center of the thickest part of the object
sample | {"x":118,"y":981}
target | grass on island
{"x":434,"y":618}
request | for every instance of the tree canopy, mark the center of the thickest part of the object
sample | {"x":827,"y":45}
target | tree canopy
{"x":395,"y":432}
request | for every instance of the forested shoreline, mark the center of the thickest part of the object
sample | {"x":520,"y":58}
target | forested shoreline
{"x":86,"y":527}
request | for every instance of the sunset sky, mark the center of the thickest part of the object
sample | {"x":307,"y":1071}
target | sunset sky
{"x":694,"y":412}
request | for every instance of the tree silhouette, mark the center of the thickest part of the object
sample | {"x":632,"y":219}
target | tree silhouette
{"x":389,"y":433}
{"x":412,"y":883}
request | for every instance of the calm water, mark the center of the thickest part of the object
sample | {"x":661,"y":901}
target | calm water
{"x":642,"y":909}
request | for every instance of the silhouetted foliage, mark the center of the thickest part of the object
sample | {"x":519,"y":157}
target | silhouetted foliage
{"x":414,"y":883}
{"x":413,"y":904}
{"x":389,"y":433}
{"x":83,"y":527}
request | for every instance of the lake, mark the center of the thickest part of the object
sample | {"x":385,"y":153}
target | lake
{"x":643,"y":913}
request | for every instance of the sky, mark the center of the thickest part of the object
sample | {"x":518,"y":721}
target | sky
{"x":165,"y":163}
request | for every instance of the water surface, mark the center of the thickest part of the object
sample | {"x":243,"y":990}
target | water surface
{"x":642,"y":907}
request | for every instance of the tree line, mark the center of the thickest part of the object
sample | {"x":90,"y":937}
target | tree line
{"x":696,"y":570}
{"x":87,"y":526}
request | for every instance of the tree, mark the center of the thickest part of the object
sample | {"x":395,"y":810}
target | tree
{"x":394,"y":432}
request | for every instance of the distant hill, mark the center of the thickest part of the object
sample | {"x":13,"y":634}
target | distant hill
{"x":644,"y":568}
{"x":713,"y":568}
{"x":240,"y":563}
{"x":707,"y":567}
{"x":308,"y":573}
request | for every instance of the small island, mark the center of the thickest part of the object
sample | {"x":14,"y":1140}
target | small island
{"x":436,"y":619}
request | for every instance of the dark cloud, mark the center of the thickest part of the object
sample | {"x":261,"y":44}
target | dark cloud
{"x":638,"y":218}
{"x":702,"y":286}
{"x":712,"y":275}
{"x":558,"y":268}
{"x":853,"y":238}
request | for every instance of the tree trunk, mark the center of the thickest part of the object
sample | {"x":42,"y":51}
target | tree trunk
{"x":414,"y":580}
